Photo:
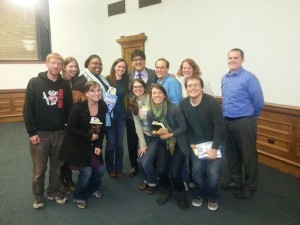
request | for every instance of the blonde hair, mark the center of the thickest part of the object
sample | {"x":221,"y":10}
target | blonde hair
{"x":54,"y":55}
{"x":87,"y":87}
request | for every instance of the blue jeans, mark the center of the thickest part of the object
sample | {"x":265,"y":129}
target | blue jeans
{"x":89,"y":181}
{"x":147,"y":160}
{"x":114,"y":147}
{"x":48,"y":148}
{"x":206,"y":176}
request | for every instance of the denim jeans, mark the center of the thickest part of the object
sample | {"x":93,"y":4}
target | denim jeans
{"x":147,"y":161}
{"x":170,"y":166}
{"x":206,"y":176}
{"x":89,"y":181}
{"x":114,"y":147}
{"x":49,"y":147}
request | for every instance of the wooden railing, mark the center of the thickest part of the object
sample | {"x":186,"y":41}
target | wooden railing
{"x":11,"y":105}
{"x":278,"y":138}
{"x":278,"y":130}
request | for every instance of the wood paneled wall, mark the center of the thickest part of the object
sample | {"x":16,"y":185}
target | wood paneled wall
{"x":11,"y":105}
{"x":278,"y":138}
{"x":278,"y":130}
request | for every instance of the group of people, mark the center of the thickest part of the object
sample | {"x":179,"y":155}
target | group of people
{"x":175,"y":127}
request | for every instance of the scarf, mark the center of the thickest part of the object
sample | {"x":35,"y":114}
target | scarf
{"x":89,"y":76}
{"x":104,"y":85}
{"x":160,"y":116}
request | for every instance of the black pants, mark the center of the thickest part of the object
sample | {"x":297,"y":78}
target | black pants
{"x":170,"y":166}
{"x":241,"y":151}
{"x":132,"y":142}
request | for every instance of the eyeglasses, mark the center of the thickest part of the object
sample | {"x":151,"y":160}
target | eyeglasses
{"x":55,"y":63}
{"x":138,"y":60}
{"x":196,"y":85}
{"x":138,"y":87}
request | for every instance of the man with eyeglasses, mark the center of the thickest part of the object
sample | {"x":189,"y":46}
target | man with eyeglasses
{"x":138,"y":59}
{"x":47,"y":105}
{"x":205,"y":127}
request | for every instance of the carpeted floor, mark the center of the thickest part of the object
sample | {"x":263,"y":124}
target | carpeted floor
{"x":276,"y":202}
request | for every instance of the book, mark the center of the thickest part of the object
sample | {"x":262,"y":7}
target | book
{"x":95,"y":125}
{"x":157,"y":125}
{"x":202,"y":148}
{"x":111,"y":98}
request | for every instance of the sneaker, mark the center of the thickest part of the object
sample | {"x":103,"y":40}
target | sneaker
{"x":81,"y":205}
{"x":38,"y":204}
{"x":97,"y":194}
{"x":59,"y":200}
{"x":212,"y":205}
{"x":197,"y":202}
{"x":231,"y":186}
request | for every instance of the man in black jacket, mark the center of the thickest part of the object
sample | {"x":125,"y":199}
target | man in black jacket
{"x":47,"y":105}
{"x":205,"y":130}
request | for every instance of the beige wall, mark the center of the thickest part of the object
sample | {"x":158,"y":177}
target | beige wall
{"x":268,"y":31}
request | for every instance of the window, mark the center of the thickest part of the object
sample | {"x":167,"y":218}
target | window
{"x":24,"y":30}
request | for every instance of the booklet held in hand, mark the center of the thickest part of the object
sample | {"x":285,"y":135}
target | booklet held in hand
{"x":157,"y":125}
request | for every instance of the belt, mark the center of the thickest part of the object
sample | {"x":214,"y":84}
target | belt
{"x":234,"y":118}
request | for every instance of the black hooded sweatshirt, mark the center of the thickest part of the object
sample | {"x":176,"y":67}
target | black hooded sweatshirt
{"x":47,"y":104}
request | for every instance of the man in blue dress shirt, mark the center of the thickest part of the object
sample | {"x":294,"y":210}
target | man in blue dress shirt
{"x":242,"y":102}
{"x":171,"y":85}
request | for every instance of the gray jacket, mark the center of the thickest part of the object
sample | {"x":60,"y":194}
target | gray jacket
{"x":176,"y":121}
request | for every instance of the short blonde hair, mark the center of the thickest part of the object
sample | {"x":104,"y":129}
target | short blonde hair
{"x":54,"y":55}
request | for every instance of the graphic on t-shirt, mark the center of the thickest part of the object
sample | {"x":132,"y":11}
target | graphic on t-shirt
{"x":52,"y":97}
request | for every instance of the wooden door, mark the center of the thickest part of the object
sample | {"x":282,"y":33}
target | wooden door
{"x":129,"y":43}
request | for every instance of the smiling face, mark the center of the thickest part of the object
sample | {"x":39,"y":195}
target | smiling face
{"x":157,"y":96}
{"x":194,"y":88}
{"x":235,"y":61}
{"x":161,"y":69}
{"x":94,"y":93}
{"x":95,"y":66}
{"x":54,"y":66}
{"x":138,"y":63}
{"x":138,"y":89}
{"x":120,"y":69}
{"x":187,"y":70}
{"x":71,"y":70}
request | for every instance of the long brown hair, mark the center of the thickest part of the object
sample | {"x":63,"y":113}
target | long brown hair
{"x":112,"y":76}
{"x":161,"y":88}
{"x":66,"y":62}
